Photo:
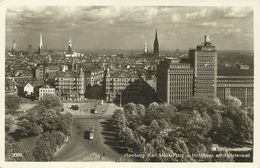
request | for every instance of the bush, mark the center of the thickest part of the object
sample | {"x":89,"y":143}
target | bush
{"x":12,"y":102}
{"x":51,"y":102}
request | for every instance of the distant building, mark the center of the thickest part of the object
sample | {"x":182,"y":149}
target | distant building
{"x":156,"y":45}
{"x":238,"y":83}
{"x":70,"y":85}
{"x":174,"y":81}
{"x":145,"y":48}
{"x":10,"y":85}
{"x":115,"y":83}
{"x":64,"y":68}
{"x":241,"y":66}
{"x":45,"y":90}
{"x":46,"y":71}
{"x":13,"y":47}
{"x":177,"y":80}
{"x":94,"y":77}
{"x":28,"y":89}
{"x":204,"y":61}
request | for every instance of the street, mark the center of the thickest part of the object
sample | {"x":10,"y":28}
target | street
{"x":79,"y":147}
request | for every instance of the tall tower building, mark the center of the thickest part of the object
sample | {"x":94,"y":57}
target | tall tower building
{"x":13,"y":47}
{"x":40,"y":44}
{"x":80,"y":84}
{"x":204,"y":61}
{"x":145,"y":48}
{"x":70,"y":51}
{"x":156,"y":45}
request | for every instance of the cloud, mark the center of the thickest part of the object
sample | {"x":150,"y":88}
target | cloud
{"x":238,"y":12}
{"x":196,"y":15}
{"x":214,"y":24}
{"x":122,"y":22}
{"x":233,"y":30}
{"x":176,"y":18}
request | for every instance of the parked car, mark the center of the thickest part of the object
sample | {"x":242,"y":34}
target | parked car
{"x":74,"y":107}
{"x":94,"y":111}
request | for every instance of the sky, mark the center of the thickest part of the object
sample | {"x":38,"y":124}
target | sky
{"x":128,"y":27}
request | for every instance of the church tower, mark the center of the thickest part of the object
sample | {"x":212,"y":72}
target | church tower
{"x":156,"y":45}
{"x":40,"y":45}
{"x":70,"y":51}
{"x":145,"y":48}
{"x":81,"y":83}
{"x":13,"y":47}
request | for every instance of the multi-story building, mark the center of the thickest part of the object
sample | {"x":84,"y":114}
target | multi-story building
{"x":127,"y":86}
{"x":94,"y":77}
{"x":70,"y":85}
{"x":174,"y":81}
{"x":238,"y":83}
{"x":45,"y":90}
{"x":116,"y":83}
{"x":177,"y":82}
{"x":204,"y":61}
{"x":46,"y":71}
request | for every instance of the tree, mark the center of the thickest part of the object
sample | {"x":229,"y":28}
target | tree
{"x":233,"y":101}
{"x":8,"y":122}
{"x":250,"y":113}
{"x":130,"y":111}
{"x":28,"y":126}
{"x":227,"y":132}
{"x":159,"y":112}
{"x":12,"y":102}
{"x":242,"y":124}
{"x":196,"y":131}
{"x":47,"y":145}
{"x":51,"y":102}
{"x":119,"y":119}
{"x":199,"y":104}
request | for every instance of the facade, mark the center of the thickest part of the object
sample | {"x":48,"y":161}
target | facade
{"x":46,"y":71}
{"x":115,"y":84}
{"x":174,"y":81}
{"x":94,"y":77}
{"x":28,"y":89}
{"x":45,"y":90}
{"x":200,"y":76}
{"x":70,"y":85}
{"x":156,"y":45}
{"x":238,"y":83}
{"x":204,"y":61}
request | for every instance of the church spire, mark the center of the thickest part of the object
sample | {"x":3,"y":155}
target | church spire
{"x":13,"y":47}
{"x":145,"y":48}
{"x":40,"y":44}
{"x":70,"y":51}
{"x":156,"y":45}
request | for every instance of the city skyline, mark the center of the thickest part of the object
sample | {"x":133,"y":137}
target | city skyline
{"x":97,"y":27}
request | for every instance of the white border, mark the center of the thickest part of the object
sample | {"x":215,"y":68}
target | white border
{"x":254,"y":3}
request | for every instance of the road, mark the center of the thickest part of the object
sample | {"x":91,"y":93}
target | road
{"x":80,"y":148}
